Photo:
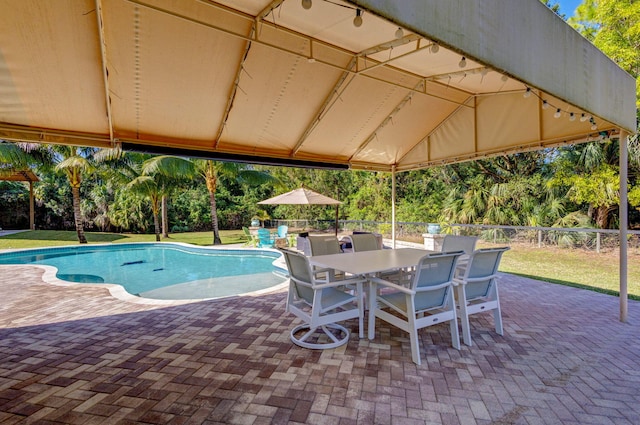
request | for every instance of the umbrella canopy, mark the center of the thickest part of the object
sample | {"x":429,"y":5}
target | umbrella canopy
{"x":303,"y":196}
{"x":300,"y":196}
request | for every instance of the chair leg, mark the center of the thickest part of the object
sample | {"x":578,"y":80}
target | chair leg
{"x":413,"y":331}
{"x":453,"y":325}
{"x":372,"y":310}
{"x":497,"y":313}
{"x":360,"y":295}
{"x":497,"y":318}
{"x":464,"y":315}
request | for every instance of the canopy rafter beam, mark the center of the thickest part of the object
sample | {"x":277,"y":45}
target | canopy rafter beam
{"x":527,"y":147}
{"x":388,"y":61}
{"x":427,"y":136}
{"x":105,"y":70}
{"x":387,"y":120}
{"x":234,"y":90}
{"x":329,"y":101}
{"x":310,"y":40}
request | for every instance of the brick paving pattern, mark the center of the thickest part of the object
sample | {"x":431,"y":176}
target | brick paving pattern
{"x":77,"y":355}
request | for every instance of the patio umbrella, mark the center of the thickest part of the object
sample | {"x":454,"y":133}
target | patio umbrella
{"x":303,"y":196}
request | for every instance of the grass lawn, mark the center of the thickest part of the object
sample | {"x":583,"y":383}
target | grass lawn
{"x":582,"y":269}
{"x":42,"y":238}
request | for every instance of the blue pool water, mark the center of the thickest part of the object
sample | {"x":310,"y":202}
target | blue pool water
{"x":162,"y":271}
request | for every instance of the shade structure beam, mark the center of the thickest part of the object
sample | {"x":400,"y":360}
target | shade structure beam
{"x":267,"y":10}
{"x":426,"y":137}
{"x":105,"y":70}
{"x":387,"y":120}
{"x":331,"y":98}
{"x":310,"y":41}
{"x":234,"y":89}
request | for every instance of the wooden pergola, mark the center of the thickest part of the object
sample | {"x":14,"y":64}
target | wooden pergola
{"x":23,"y":176}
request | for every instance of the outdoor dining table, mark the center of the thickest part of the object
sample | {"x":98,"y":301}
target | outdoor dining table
{"x":367,"y":263}
{"x":370,"y":262}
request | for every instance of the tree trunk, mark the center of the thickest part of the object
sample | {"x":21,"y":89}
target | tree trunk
{"x":165,"y":218}
{"x":75,"y":190}
{"x":214,"y":219}
{"x":156,"y":224}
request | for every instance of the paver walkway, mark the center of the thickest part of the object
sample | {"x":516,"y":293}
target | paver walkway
{"x":76,"y":355}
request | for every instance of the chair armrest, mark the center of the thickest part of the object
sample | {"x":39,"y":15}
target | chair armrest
{"x":388,"y":284}
{"x":339,"y":283}
{"x":462,"y":281}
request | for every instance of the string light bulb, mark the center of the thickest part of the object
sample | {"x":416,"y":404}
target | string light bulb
{"x":583,"y":117}
{"x":484,"y":71}
{"x":399,"y":33}
{"x":306,"y":4}
{"x":527,"y":93}
{"x":572,"y":117}
{"x":545,"y":104}
{"x":463,"y":62}
{"x":504,"y":78}
{"x":357,"y":21}
{"x":594,"y":126}
{"x":558,"y":113}
{"x":435,"y":48}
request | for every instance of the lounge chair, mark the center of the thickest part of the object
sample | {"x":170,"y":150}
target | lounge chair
{"x":265,"y":239}
{"x":252,"y":240}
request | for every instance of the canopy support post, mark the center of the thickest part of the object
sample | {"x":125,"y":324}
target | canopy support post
{"x":393,"y":206}
{"x":624,"y":224}
{"x":32,"y":215}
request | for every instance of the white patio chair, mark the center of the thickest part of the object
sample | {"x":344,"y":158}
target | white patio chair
{"x":325,"y":245}
{"x":364,"y":242}
{"x":477,"y":289}
{"x":427,"y":301}
{"x":320,"y":304}
{"x":460,"y":243}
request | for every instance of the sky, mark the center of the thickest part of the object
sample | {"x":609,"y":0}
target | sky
{"x":567,"y":7}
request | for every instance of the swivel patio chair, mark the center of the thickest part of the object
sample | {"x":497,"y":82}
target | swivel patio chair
{"x":428,"y":300}
{"x":321,"y":304}
{"x":477,"y":289}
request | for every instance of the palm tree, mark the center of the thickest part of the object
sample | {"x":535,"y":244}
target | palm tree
{"x":210,"y":171}
{"x":148,"y":187}
{"x":74,"y":162}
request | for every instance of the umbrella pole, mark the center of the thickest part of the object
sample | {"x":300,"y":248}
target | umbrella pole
{"x":336,"y":220}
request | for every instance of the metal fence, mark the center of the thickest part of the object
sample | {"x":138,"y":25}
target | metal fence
{"x":597,"y":240}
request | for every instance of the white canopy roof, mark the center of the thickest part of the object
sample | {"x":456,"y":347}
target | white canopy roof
{"x":271,"y":81}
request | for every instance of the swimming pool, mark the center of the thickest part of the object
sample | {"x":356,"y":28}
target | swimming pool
{"x":166,"y":271}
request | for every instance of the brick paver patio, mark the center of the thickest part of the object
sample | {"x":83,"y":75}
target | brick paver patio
{"x":76,"y":355}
